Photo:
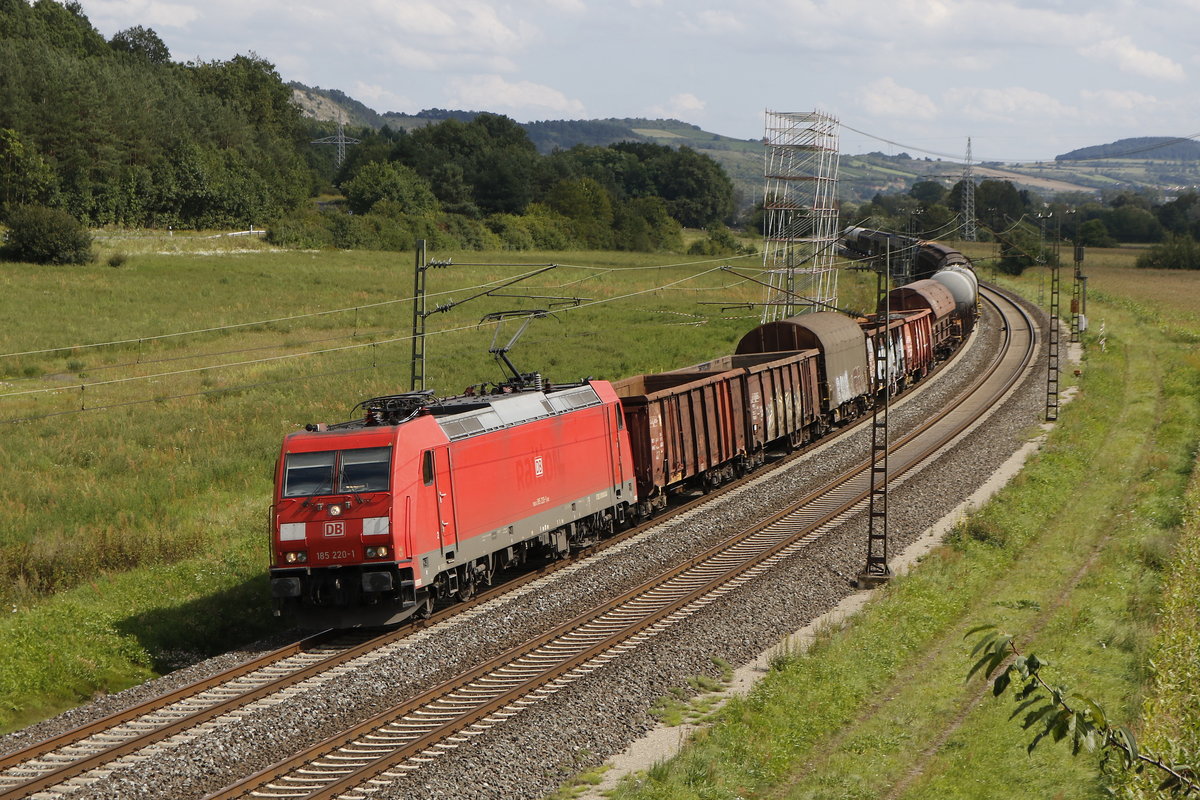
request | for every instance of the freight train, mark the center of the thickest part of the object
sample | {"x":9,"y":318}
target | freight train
{"x":422,"y":498}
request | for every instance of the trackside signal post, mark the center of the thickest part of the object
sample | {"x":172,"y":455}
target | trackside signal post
{"x":1078,"y":297}
{"x":1053,"y":340}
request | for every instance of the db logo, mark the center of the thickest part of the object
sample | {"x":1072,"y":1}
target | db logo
{"x":537,"y":466}
{"x":335,"y":529}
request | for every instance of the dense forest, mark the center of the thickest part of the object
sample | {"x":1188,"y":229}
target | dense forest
{"x":97,"y":132}
{"x":113,"y":132}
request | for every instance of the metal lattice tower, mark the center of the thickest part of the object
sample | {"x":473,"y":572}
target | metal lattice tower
{"x":341,"y":140}
{"x":800,"y":227}
{"x":970,"y":234}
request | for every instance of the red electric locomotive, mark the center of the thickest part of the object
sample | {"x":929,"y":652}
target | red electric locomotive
{"x":420,"y":498}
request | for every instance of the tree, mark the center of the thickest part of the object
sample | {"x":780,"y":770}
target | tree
{"x":928,"y":193}
{"x":41,"y":235}
{"x":696,"y":189}
{"x":25,"y":177}
{"x":588,"y":206}
{"x":1177,"y":252}
{"x":1131,"y":223}
{"x":141,"y":42}
{"x":1094,"y":233}
{"x":389,"y":181}
{"x":1181,"y":215}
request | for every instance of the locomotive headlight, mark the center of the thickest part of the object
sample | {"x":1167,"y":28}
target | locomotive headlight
{"x":377,"y":552}
{"x":295,"y":557}
{"x":335,"y":510}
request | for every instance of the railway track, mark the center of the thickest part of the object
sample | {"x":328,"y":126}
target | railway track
{"x":59,"y":766}
{"x":392,"y":746}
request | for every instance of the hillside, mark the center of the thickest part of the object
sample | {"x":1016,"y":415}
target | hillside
{"x":1153,"y":147}
{"x":1168,"y":168}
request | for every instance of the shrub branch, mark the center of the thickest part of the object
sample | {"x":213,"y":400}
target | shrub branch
{"x":1058,"y":713}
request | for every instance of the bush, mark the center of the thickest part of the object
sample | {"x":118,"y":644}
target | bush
{"x":1177,"y":252}
{"x":41,"y":235}
{"x":720,"y":242}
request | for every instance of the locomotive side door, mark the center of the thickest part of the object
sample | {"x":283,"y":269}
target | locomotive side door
{"x":438,"y":500}
{"x":443,"y":483}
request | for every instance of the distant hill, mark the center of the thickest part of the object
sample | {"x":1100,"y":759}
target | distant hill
{"x":1144,"y":147}
{"x":332,"y":105}
{"x":1167,"y":168}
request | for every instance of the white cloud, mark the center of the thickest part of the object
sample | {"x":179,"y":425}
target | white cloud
{"x":1102,"y":102}
{"x":886,"y":98}
{"x":494,"y":93}
{"x":681,"y":106}
{"x":377,"y":97}
{"x":567,"y":6}
{"x":414,"y":18}
{"x":712,"y":22}
{"x":1131,"y":58}
{"x":150,"y":13}
{"x":1015,"y":103}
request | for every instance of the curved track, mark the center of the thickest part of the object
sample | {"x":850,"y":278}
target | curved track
{"x":471,"y":704}
{"x":396,"y":744}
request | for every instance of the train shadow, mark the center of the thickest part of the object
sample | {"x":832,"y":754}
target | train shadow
{"x":177,"y":636}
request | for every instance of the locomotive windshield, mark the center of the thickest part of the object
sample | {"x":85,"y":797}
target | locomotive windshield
{"x":337,"y":471}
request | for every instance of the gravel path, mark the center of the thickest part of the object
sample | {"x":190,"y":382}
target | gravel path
{"x":591,"y":719}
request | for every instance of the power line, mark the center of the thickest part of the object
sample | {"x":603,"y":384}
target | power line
{"x":361,"y":307}
{"x":956,"y":158}
{"x":325,"y":351}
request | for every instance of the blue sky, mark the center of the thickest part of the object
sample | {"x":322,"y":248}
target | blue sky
{"x":1025,"y":80}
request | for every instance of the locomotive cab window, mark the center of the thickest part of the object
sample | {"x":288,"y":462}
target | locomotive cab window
{"x":366,"y":470}
{"x":307,"y":474}
{"x":335,"y":472}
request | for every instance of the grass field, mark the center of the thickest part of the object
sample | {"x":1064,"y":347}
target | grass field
{"x":132,"y":528}
{"x":143,"y":405}
{"x":1088,"y":558}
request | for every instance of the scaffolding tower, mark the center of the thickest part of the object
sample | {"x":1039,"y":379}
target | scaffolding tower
{"x":800,"y":226}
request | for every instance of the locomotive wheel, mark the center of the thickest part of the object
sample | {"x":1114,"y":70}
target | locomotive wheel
{"x":466,"y":588}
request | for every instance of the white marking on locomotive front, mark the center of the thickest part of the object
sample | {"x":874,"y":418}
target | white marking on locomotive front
{"x":335,"y":529}
{"x":538,"y":469}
